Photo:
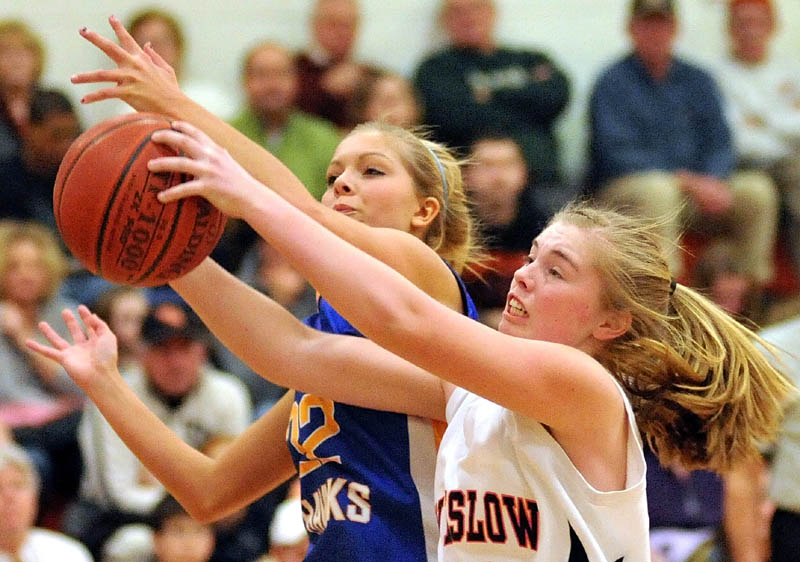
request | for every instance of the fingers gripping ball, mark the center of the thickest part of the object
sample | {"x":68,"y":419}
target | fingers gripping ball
{"x":106,"y":209}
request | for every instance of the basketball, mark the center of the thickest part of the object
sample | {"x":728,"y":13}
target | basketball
{"x":107,"y":213}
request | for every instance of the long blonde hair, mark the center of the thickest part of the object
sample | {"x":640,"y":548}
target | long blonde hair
{"x":703,"y":392}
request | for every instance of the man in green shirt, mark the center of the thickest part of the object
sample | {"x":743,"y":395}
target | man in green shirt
{"x":304,"y":143}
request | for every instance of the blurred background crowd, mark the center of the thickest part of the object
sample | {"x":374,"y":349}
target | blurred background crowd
{"x":687,"y":111}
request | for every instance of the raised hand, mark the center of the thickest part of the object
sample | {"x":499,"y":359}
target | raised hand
{"x":91,"y":356}
{"x":142,"y":78}
{"x":217,"y":176}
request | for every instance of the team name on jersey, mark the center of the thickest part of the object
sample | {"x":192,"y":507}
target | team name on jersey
{"x":492,"y":518}
{"x":326,"y":504}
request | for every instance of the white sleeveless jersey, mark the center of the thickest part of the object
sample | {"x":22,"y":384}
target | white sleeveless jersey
{"x":506,"y":490}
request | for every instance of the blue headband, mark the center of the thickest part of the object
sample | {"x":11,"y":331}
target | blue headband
{"x":445,"y":188}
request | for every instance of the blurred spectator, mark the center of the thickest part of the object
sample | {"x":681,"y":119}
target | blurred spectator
{"x":328,"y":75}
{"x":746,"y":491}
{"x":660,"y":146}
{"x":21,"y":66}
{"x":170,"y":535}
{"x":475,"y":85}
{"x":509,"y":215}
{"x":270,"y":273}
{"x":175,"y":382}
{"x":762,"y":91}
{"x":27,"y":178}
{"x":38,"y":400}
{"x":721,"y":275}
{"x":179,"y":538}
{"x":124,"y":310}
{"x":31,"y":270}
{"x":164,"y":33}
{"x":304,"y":143}
{"x":20,"y":541}
{"x":505,"y":201}
{"x":387,"y":97}
{"x":239,"y":536}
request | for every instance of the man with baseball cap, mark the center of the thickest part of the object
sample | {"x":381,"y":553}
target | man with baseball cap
{"x":175,"y":381}
{"x":644,"y":8}
{"x":660,"y":146}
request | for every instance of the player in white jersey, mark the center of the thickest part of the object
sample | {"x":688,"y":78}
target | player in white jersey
{"x":593,"y":310}
{"x":534,"y":505}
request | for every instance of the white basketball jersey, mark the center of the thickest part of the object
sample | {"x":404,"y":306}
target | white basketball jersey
{"x":506,"y":490}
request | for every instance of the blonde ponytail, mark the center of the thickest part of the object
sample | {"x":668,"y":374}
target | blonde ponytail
{"x":702,"y":387}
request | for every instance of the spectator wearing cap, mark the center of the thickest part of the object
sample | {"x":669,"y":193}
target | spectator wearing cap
{"x":762,"y":97}
{"x":661,"y":146}
{"x":20,"y":541}
{"x":175,"y":381}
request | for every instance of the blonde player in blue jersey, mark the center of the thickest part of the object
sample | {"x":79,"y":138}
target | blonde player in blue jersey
{"x":366,"y":474}
{"x":541,"y":459}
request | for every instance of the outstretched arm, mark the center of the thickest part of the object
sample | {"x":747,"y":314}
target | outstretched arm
{"x":208,"y":488}
{"x":540,"y":379}
{"x":212,"y":488}
{"x":147,"y":83}
{"x":272,"y":342}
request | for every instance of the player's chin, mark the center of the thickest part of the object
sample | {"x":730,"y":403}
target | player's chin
{"x":505,"y":327}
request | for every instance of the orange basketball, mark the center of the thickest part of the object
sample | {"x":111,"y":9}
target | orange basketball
{"x":106,"y":209}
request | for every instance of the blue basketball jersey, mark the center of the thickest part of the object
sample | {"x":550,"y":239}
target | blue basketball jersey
{"x":366,"y":476}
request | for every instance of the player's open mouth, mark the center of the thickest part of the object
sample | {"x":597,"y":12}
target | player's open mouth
{"x":515,"y":307}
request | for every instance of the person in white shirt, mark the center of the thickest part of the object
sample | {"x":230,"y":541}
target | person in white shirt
{"x":762,"y":96}
{"x":20,"y":540}
{"x":197,"y":402}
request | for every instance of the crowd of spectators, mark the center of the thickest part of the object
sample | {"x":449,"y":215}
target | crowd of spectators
{"x":711,"y":152}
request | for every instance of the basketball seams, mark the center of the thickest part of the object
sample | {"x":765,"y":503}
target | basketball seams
{"x":107,"y":211}
{"x":152,"y":238}
{"x":110,"y":204}
{"x":92,"y":141}
{"x":165,"y":246}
